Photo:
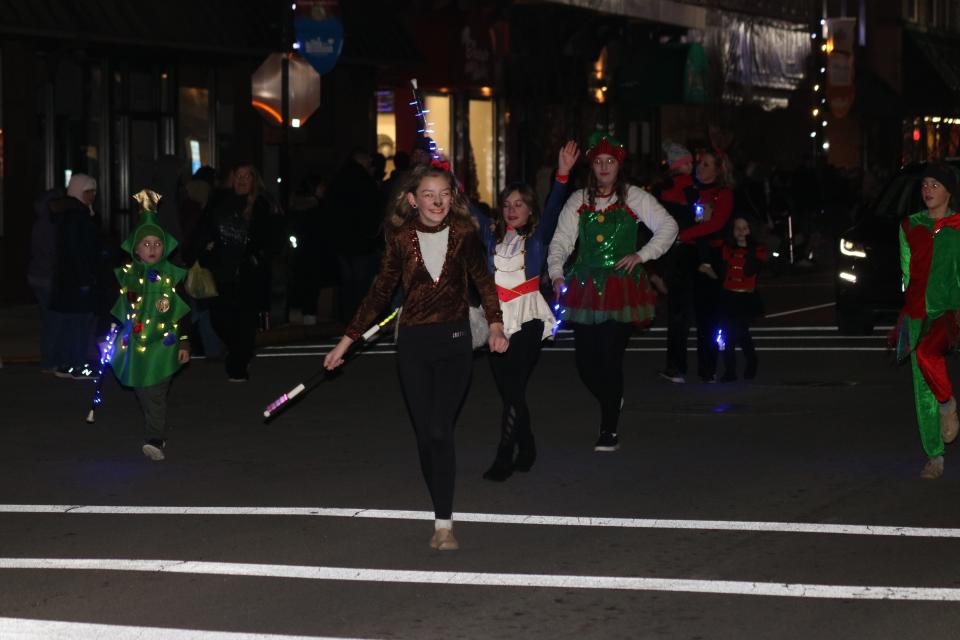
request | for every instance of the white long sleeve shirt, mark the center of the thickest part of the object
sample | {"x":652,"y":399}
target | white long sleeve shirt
{"x":648,"y":210}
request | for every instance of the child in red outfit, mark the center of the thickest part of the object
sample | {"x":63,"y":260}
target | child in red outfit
{"x":740,"y":301}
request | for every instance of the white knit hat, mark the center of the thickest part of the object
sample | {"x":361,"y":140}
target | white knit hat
{"x":80,"y":182}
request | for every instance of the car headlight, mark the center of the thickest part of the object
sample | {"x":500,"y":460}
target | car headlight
{"x":852,"y":249}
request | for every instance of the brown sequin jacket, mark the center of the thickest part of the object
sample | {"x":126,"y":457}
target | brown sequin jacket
{"x":426,"y":301}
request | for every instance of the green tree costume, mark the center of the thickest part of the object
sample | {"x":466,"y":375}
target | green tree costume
{"x":930,"y":261}
{"x":148,"y":307}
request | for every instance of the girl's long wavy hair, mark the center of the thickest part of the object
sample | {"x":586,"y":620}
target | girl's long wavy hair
{"x":401,"y":212}
{"x":529,"y":197}
{"x":620,"y":186}
{"x":724,"y":167}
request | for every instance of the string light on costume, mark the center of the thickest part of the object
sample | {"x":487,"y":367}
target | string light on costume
{"x":556,"y":312}
{"x":107,"y":348}
{"x":721,"y":343}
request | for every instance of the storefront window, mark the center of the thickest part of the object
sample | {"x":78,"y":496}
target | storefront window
{"x":482,"y":128}
{"x":386,"y":127}
{"x":195,"y":126}
{"x":439,"y":108}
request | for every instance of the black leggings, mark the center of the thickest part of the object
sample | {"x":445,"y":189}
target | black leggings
{"x":511,"y":372}
{"x":599,"y":350}
{"x":435,"y":362}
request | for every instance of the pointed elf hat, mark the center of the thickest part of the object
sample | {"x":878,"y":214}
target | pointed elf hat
{"x":147,"y":225}
{"x":602,"y":142}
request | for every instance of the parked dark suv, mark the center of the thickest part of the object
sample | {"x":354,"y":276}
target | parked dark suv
{"x":869,"y":283}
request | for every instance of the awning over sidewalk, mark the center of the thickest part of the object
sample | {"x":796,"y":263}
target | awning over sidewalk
{"x":761,"y":61}
{"x":669,"y":12}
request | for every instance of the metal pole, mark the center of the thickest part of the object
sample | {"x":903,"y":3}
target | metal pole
{"x":284,"y":164}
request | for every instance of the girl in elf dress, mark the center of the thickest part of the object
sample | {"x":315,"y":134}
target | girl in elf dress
{"x":151,"y":344}
{"x":602,"y":294}
{"x":516,"y":240}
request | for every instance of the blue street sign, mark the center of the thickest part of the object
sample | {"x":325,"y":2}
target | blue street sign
{"x":320,"y":41}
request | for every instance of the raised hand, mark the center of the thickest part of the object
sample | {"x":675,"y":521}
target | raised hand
{"x":567,"y":158}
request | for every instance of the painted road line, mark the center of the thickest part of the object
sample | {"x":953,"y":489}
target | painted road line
{"x":494,"y":518}
{"x":800,"y":310}
{"x":552,"y":349}
{"x":25,"y":629}
{"x":632,"y":339}
{"x":458,"y":578}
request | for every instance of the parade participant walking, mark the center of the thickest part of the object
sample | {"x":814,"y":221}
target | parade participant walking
{"x":517,"y":239}
{"x":739,"y":300}
{"x":151,"y":344}
{"x":694,"y":269}
{"x":603,"y":297}
{"x":433,"y":250}
{"x":930,"y":260}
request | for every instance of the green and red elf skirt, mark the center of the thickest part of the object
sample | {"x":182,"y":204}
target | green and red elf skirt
{"x":596,"y":290}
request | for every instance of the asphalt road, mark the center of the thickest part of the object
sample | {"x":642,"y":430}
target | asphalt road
{"x":787,"y":507}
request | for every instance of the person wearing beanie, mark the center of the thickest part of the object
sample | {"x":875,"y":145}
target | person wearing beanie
{"x":73,"y":284}
{"x":929,"y":323}
{"x":603,"y":295}
{"x":152,"y":341}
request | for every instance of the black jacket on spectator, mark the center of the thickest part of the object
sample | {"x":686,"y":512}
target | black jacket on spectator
{"x":77,"y":254}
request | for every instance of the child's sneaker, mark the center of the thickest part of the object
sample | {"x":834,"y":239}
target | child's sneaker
{"x":153,"y":449}
{"x":607,"y":442}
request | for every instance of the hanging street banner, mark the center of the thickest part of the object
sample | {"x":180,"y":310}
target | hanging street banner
{"x":319,"y":33}
{"x":841,"y":39}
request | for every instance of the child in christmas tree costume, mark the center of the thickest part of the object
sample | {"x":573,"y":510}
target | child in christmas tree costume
{"x":930,"y":259}
{"x":603,"y":296}
{"x":151,"y":343}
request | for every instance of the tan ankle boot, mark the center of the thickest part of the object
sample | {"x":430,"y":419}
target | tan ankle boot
{"x":949,"y":425}
{"x":443,"y":540}
{"x":933,"y":469}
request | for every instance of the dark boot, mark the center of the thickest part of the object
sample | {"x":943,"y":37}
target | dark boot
{"x":502,"y":466}
{"x":527,"y":451}
{"x":750,"y":371}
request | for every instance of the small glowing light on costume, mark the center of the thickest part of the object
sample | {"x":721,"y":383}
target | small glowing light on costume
{"x":295,"y":123}
{"x":486,"y":92}
{"x":141,"y":280}
{"x":721,"y":344}
{"x":293,"y":241}
{"x":849,"y":277}
{"x":826,"y":145}
{"x":916,"y":134}
{"x":823,"y":47}
{"x":823,"y":101}
{"x":823,"y":124}
{"x":816,"y":87}
{"x":141,"y":349}
{"x":161,"y":325}
{"x":822,"y":22}
{"x":296,"y":46}
{"x":816,"y":112}
{"x":279,"y":179}
{"x":823,"y":69}
{"x":776,"y":254}
{"x":813,"y":36}
{"x":813,"y":134}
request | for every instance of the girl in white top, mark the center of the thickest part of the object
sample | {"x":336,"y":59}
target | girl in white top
{"x":516,"y":239}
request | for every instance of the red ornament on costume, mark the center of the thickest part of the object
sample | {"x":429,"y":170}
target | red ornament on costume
{"x":137,"y":328}
{"x":132,"y":296}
